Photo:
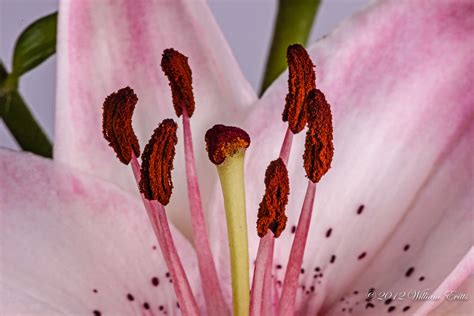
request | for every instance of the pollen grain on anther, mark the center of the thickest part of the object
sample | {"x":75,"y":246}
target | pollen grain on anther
{"x":301,"y":80}
{"x":117,"y":123}
{"x":271,"y":212}
{"x":225,"y":141}
{"x":319,"y":148}
{"x":176,"y":67}
{"x":157,"y":163}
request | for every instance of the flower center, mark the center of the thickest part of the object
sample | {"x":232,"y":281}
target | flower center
{"x":305,"y":106}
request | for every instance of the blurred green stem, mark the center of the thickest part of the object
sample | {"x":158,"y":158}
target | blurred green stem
{"x":293,"y":25}
{"x":19,"y":119}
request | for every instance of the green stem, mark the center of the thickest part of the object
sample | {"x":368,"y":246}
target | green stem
{"x":19,"y":119}
{"x":293,"y":25}
{"x":231,"y":175}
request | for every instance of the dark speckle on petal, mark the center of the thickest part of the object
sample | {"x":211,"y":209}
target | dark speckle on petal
{"x":293,"y":229}
{"x":333,"y":259}
{"x":96,"y":313}
{"x":362,"y":255}
{"x":328,"y":233}
{"x":409,"y":272}
{"x":155,"y":281}
{"x":391,"y":309}
{"x":407,"y":246}
{"x":360,"y":209}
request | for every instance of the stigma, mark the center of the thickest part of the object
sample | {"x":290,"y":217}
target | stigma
{"x":225,"y":141}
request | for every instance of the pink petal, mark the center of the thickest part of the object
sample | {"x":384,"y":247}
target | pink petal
{"x":398,"y":77}
{"x":106,"y":45}
{"x":72,"y":244}
{"x":455,"y":290}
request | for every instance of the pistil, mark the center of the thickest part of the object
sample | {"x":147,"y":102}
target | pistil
{"x":318,"y":155}
{"x":226,"y":147}
{"x":176,"y":68}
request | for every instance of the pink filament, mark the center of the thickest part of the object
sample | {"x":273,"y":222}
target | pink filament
{"x":268,"y":283}
{"x":159,"y":222}
{"x":262,"y":265}
{"x":290,"y":285}
{"x":286,"y":146}
{"x":210,"y":282}
{"x":262,"y":284}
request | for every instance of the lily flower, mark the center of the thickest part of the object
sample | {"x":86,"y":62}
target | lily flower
{"x":390,"y":230}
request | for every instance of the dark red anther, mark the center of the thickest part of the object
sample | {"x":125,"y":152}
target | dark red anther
{"x":271,"y":212}
{"x":157,"y":163}
{"x":319,"y":148}
{"x":176,"y":68}
{"x":117,"y":124}
{"x":301,"y":80}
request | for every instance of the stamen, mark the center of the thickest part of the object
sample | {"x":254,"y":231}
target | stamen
{"x":215,"y":304}
{"x":261,"y":274}
{"x":319,"y":149}
{"x":157,"y":163}
{"x":176,"y":68}
{"x":290,"y":284}
{"x":318,"y":154}
{"x":159,"y":222}
{"x":226,"y":146}
{"x":271,"y":213}
{"x":271,"y":216}
{"x":117,"y":124}
{"x":225,"y":141}
{"x":302,"y":79}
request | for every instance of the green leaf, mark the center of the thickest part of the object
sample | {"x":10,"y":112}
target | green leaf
{"x":20,"y":121}
{"x":293,"y":25}
{"x":36,"y":44}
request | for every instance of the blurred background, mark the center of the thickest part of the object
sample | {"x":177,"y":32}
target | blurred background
{"x":247,"y":25}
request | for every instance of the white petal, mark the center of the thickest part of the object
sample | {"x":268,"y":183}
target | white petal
{"x":398,"y":77}
{"x":106,"y":45}
{"x":71,"y":245}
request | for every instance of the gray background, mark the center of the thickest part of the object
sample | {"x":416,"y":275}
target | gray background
{"x":246,"y":24}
